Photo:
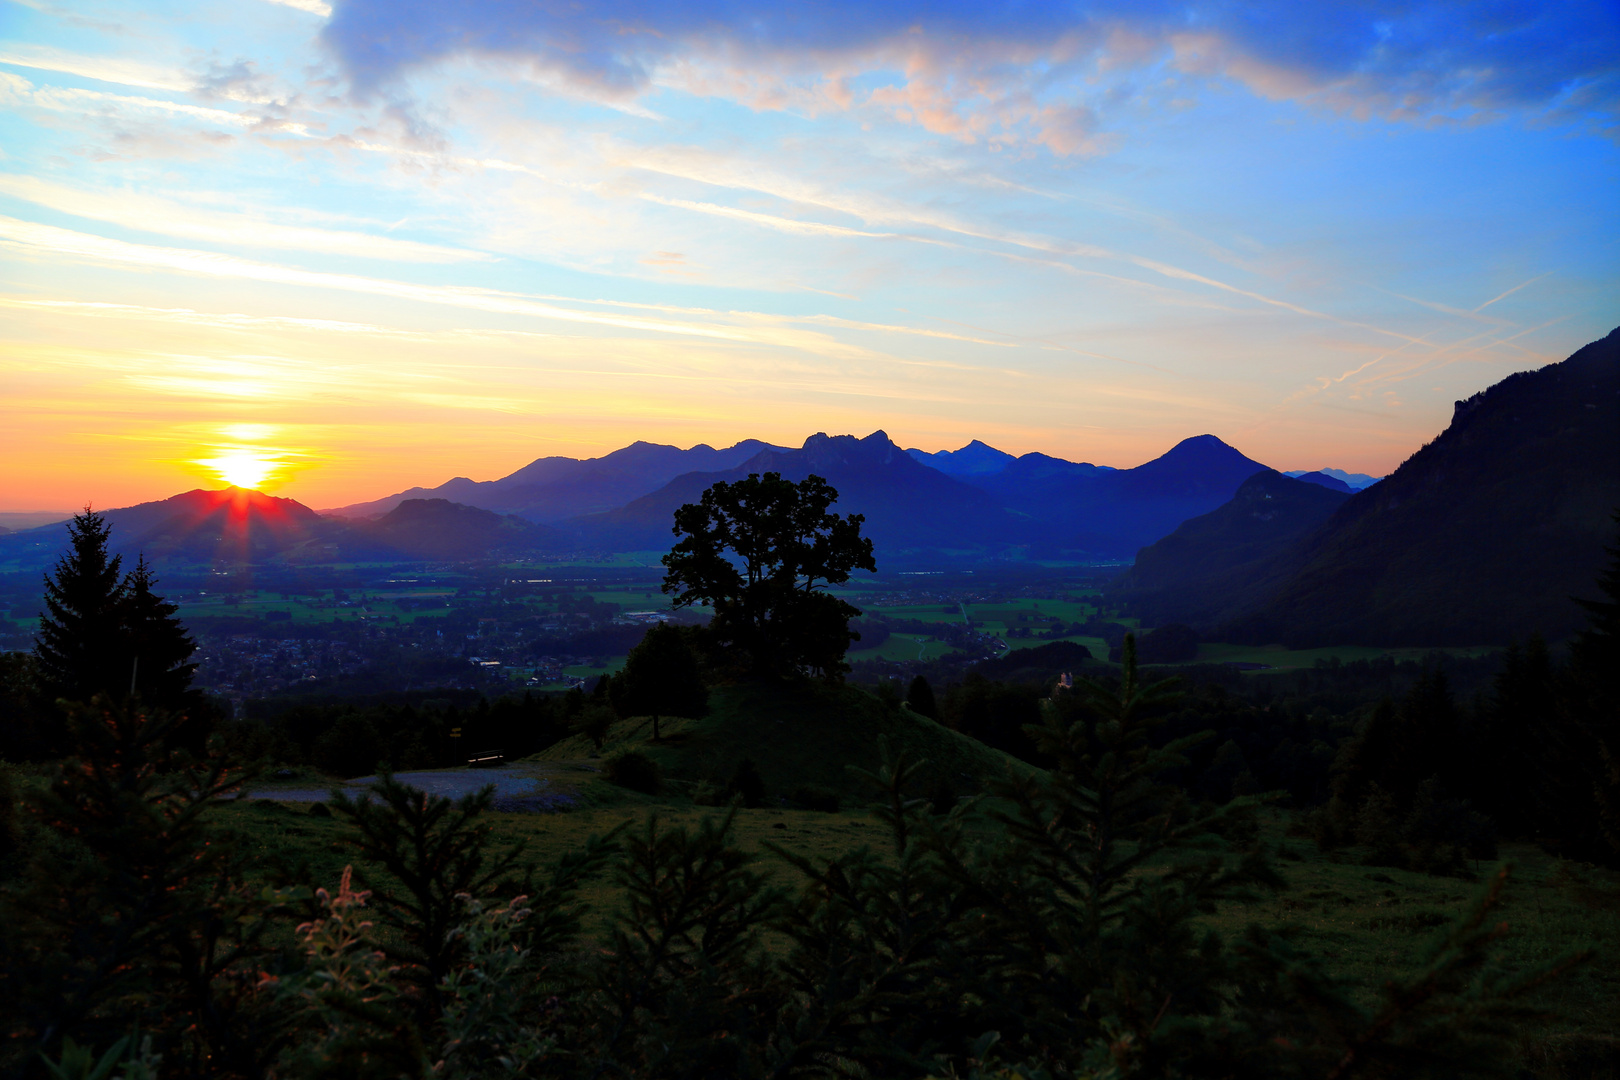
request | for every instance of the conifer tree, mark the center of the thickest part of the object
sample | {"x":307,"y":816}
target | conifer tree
{"x":157,"y":644}
{"x":78,"y":645}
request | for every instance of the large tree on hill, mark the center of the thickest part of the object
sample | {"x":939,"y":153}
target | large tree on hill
{"x":660,"y":678}
{"x":761,"y":551}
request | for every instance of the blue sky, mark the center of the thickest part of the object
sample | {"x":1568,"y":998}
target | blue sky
{"x":352,"y":247}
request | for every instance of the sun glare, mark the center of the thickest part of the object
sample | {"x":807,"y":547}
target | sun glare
{"x":242,"y":467}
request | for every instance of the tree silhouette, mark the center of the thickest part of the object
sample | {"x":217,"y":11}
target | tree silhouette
{"x":157,"y":644}
{"x":102,"y":634}
{"x":920,"y":696}
{"x":761,"y":551}
{"x":660,"y":678}
{"x":77,"y":647}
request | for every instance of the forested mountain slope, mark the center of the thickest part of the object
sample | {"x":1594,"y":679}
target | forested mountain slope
{"x":1203,"y":573}
{"x":1481,"y":537}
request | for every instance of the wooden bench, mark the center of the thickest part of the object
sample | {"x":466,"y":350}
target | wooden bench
{"x":486,"y":757}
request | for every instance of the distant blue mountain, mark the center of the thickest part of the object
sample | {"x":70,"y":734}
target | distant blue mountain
{"x":974,"y":459}
{"x":1036,"y":503}
{"x":1322,"y":479}
{"x":1352,"y":481}
{"x":1094,"y":511}
{"x":909,"y":506}
{"x":553,"y":489}
{"x":1203,"y":572}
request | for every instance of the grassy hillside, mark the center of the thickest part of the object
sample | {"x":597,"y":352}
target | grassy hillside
{"x":796,"y":734}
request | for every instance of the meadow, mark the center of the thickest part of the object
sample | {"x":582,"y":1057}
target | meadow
{"x":1370,"y":924}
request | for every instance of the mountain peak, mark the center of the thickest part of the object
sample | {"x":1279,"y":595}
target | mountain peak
{"x":977,"y":458}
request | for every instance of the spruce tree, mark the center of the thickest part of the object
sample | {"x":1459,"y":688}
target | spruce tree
{"x":78,"y":645}
{"x":157,"y":644}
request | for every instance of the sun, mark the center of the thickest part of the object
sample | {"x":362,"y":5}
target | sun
{"x":242,"y":467}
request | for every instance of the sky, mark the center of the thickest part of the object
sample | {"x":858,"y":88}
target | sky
{"x":338,"y":248}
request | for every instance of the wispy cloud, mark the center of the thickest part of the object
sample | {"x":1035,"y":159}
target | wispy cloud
{"x":313,"y":7}
{"x":112,"y":69}
{"x":17,"y":91}
{"x":148,"y":213}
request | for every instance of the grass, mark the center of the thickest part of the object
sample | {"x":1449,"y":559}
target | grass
{"x":1369,"y":924}
{"x":795,"y":735}
{"x":1285,"y":659}
{"x":904,"y":647}
{"x":940,"y":613}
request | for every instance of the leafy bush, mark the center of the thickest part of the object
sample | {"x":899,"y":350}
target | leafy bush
{"x":634,"y":770}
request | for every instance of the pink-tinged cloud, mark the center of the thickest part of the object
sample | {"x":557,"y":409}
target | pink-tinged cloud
{"x":1009,"y":72}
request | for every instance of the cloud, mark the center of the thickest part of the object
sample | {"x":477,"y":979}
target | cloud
{"x":157,"y":215}
{"x":118,"y":70}
{"x":16,"y":90}
{"x":1004,"y":71}
{"x":737,"y":327}
{"x":313,"y":7}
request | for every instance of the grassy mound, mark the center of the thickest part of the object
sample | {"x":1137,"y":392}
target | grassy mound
{"x":797,"y":735}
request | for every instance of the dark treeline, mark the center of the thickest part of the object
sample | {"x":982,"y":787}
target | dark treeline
{"x":403,"y":731}
{"x":1438,"y":759}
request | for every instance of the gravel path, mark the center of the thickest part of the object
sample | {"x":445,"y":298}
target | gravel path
{"x":518,"y":788}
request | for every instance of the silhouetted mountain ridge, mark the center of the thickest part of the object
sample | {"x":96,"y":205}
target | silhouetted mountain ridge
{"x":1479,"y":538}
{"x":908,"y":505}
{"x":552,"y":489}
{"x":1114,"y":512}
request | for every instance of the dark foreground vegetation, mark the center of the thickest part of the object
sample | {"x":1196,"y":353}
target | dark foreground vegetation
{"x":1054,"y":929}
{"x":1078,"y":882}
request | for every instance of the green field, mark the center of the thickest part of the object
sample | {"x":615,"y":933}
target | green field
{"x":1279,"y":658}
{"x":904,"y":647}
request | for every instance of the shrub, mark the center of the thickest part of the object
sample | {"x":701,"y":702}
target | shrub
{"x":812,"y":797}
{"x":747,"y":784}
{"x":634,"y":770}
{"x":350,"y":747}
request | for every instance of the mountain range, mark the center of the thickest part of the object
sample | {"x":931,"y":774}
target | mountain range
{"x":553,"y":489}
{"x":1353,"y":481}
{"x":995,"y":505}
{"x":1483,"y":535}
